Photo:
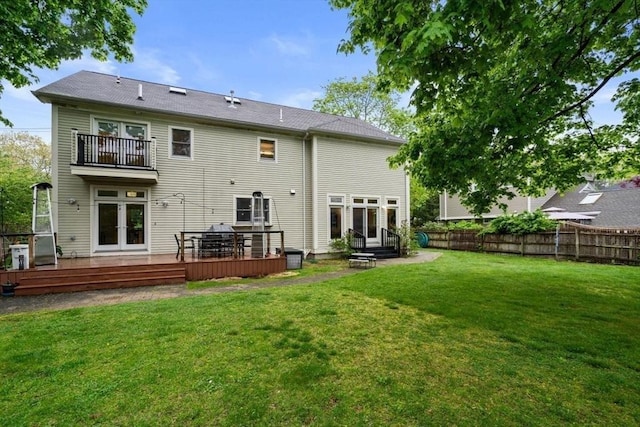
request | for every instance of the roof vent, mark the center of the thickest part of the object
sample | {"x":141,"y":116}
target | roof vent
{"x":178,"y":90}
{"x":140,"y":92}
{"x":232,"y":100}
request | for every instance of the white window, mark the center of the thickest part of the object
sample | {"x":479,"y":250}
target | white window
{"x":121,"y":129}
{"x":180,"y":142}
{"x":336,"y":217}
{"x":243,"y":206}
{"x":392,"y":214}
{"x":267,"y":150}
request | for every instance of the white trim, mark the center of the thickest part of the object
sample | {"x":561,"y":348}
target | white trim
{"x":314,"y":194}
{"x":366,"y":206}
{"x":366,"y":200}
{"x":386,"y":207}
{"x":342,"y":205}
{"x":170,"y":143}
{"x":275,"y":150}
{"x":119,"y":199}
{"x":407,"y":198}
{"x":121,"y":121}
{"x":55,"y":169}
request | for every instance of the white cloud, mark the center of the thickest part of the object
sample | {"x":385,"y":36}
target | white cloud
{"x":88,"y":63}
{"x":202,"y":72}
{"x":288,"y":47}
{"x":23,"y":93}
{"x":256,"y":96}
{"x":149,"y":62}
{"x":301,"y":99}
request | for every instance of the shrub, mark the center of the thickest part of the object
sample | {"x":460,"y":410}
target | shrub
{"x":342,"y":246}
{"x":523,"y":223}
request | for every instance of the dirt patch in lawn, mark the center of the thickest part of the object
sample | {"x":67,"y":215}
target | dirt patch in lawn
{"x":147,"y":293}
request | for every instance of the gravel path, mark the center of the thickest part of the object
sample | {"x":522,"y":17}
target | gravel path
{"x":62,"y":301}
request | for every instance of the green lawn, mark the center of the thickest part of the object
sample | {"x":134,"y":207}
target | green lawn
{"x":468,"y":339}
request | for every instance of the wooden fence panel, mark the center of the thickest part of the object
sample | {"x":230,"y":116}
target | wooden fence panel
{"x":502,"y":243}
{"x":570,"y":241}
{"x":464,"y":240}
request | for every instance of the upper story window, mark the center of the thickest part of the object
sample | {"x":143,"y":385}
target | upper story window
{"x":180,"y":142}
{"x":267,"y":149}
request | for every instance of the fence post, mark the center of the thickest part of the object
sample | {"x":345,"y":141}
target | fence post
{"x":577,"y":244}
{"x":557,"y":240}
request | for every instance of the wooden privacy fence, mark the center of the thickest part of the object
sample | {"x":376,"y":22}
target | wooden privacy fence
{"x":569,"y":241}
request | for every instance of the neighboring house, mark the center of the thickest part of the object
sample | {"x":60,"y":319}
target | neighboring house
{"x":599,"y":204}
{"x":136,"y":162}
{"x":452,"y":209}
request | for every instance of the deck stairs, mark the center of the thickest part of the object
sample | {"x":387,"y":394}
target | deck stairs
{"x":37,"y":282}
{"x":389,"y":247}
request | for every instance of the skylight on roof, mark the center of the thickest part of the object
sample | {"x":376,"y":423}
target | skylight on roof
{"x":179,"y":90}
{"x":235,"y":100}
{"x":590,"y":199}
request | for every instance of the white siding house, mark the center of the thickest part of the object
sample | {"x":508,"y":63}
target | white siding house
{"x":452,"y":209}
{"x":135,"y":162}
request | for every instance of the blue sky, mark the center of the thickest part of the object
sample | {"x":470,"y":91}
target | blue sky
{"x":278,"y":51}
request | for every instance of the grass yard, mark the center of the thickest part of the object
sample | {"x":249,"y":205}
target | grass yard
{"x":468,"y":339}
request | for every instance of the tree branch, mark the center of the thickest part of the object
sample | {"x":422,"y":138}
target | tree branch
{"x":611,"y":75}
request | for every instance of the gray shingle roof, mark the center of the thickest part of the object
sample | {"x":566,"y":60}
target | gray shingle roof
{"x":100,"y":88}
{"x":618,"y":206}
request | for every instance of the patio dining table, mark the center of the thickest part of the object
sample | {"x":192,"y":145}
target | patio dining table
{"x":221,"y":240}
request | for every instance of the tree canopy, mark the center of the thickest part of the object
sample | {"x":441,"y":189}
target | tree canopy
{"x":24,"y":160}
{"x":41,"y":34}
{"x":362,"y":99}
{"x":503,"y":89}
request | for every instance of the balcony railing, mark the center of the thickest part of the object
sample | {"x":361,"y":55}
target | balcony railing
{"x":108,"y":151}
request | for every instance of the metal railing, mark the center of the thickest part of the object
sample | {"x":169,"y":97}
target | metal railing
{"x":97,"y":150}
{"x":358,"y":240}
{"x":223,"y":244}
{"x":391,"y":239}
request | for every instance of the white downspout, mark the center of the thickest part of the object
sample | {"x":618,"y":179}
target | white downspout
{"x":445,"y":199}
{"x":314,"y":194}
{"x":304,"y":193}
{"x":407,"y":196}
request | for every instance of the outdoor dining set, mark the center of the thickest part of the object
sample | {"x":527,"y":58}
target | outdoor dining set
{"x":219,"y":241}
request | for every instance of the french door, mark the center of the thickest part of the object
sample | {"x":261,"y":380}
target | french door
{"x":365,"y":218}
{"x":121,"y":220}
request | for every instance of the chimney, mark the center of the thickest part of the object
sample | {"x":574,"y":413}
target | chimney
{"x":140,"y":92}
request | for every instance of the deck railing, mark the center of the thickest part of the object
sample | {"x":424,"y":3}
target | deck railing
{"x":98,"y":150}
{"x":227,"y":243}
{"x":358,"y":240}
{"x":391,"y":240}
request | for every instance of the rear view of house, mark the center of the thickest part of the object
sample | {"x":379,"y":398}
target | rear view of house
{"x":135,"y":163}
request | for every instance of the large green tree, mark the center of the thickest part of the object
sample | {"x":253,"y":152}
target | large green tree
{"x":42,"y":33}
{"x":363,"y":99}
{"x":503,"y":89}
{"x":24,"y":160}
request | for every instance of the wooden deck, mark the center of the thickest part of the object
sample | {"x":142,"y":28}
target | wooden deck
{"x":82,"y":274}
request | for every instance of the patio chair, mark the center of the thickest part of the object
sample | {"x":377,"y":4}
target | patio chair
{"x":188,"y":244}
